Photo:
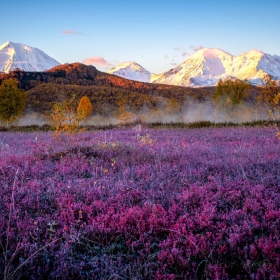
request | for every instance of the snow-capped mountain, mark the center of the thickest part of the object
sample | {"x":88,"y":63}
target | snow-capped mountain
{"x":207,"y":66}
{"x":131,"y":71}
{"x":15,"y":55}
{"x":204,"y":68}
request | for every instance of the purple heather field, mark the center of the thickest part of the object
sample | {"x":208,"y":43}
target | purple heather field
{"x":149,"y":204}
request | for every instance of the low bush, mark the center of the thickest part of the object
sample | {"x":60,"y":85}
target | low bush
{"x":189,"y":204}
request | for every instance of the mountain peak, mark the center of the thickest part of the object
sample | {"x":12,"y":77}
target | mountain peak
{"x":254,"y":52}
{"x":5,"y":45}
{"x":132,"y":71}
{"x":210,"y":53}
{"x":17,"y":47}
{"x":129,"y":64}
{"x":17,"y":55}
{"x":10,"y":44}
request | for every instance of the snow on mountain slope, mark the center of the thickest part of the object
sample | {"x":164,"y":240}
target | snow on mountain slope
{"x":131,"y":71}
{"x":204,"y":68}
{"x":277,"y":57}
{"x":207,"y":66}
{"x":16,"y":55}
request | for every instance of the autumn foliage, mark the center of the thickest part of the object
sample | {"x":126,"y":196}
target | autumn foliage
{"x":45,"y":89}
{"x":12,"y":100}
{"x":85,"y":107}
{"x":270,"y":95}
{"x":231,"y":92}
{"x":65,"y":117}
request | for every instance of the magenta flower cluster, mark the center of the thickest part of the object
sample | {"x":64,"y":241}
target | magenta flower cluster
{"x":150,"y":204}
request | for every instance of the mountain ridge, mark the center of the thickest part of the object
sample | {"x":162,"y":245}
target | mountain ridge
{"x":207,"y":66}
{"x":202,"y":69}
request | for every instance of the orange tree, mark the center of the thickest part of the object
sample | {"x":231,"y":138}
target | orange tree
{"x":85,"y":107}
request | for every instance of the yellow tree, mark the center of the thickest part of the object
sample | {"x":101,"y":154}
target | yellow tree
{"x":12,"y":100}
{"x":65,"y":117}
{"x":85,"y":107}
{"x":270,"y":95}
{"x":229,"y":94}
{"x":124,"y":116}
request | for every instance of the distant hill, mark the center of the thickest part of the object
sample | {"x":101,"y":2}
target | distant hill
{"x":105,"y":91}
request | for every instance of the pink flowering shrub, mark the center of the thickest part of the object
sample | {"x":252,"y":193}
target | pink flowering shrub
{"x":194,"y":204}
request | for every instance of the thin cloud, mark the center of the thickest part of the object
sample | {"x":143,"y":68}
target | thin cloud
{"x":71,"y":32}
{"x":174,"y":64}
{"x":181,"y":52}
{"x":166,"y":56}
{"x":97,"y":61}
{"x":196,"y":48}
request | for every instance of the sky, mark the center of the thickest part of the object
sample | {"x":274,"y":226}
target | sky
{"x":156,"y":34}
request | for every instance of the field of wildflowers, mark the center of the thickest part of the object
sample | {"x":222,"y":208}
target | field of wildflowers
{"x":149,"y":204}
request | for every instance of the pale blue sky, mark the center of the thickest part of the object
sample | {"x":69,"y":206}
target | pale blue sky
{"x":156,"y":34}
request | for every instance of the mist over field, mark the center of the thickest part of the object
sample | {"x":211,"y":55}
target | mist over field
{"x":191,"y":111}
